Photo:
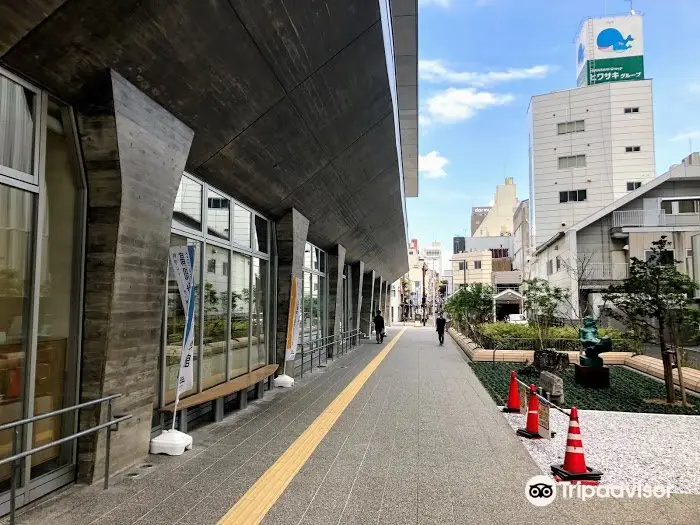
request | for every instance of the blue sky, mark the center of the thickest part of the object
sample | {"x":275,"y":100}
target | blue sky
{"x":480,"y":61}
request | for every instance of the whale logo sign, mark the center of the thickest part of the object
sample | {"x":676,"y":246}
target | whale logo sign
{"x":581,"y":54}
{"x":610,"y":40}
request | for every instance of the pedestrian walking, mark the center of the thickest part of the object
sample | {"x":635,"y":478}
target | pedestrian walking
{"x":379,"y":326}
{"x":440,"y":328}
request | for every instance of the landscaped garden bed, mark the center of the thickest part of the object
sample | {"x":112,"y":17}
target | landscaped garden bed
{"x":628,"y":391}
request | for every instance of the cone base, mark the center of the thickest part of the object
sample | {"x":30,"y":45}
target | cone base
{"x":577,"y":482}
{"x":511,"y":410}
{"x":564,"y":475}
{"x":523,"y":432}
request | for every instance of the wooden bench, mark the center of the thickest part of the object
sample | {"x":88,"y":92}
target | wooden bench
{"x":217,"y":394}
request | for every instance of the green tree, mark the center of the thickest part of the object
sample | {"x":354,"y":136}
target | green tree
{"x":542,"y":301}
{"x":655,"y":301}
{"x":471,"y":306}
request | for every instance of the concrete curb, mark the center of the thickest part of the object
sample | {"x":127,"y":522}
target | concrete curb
{"x":651,"y":366}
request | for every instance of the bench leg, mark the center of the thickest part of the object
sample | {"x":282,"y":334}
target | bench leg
{"x":259,"y":389}
{"x":242,"y":399}
{"x":182,"y":424}
{"x":218,"y":412}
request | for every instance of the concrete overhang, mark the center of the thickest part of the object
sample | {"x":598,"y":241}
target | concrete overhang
{"x":404,"y":15}
{"x":290,"y":104}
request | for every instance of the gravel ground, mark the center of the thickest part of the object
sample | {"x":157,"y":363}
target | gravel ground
{"x":651,"y":449}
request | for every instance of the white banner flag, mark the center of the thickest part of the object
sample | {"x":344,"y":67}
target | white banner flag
{"x":294,"y":321}
{"x":182,"y":264}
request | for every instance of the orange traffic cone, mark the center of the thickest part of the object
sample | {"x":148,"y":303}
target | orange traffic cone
{"x":574,"y":467}
{"x":531,"y":429}
{"x":513,"y":404}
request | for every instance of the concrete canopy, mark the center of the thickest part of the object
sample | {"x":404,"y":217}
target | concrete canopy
{"x":289,"y":102}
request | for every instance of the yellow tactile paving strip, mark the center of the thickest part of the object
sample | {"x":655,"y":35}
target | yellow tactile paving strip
{"x":255,"y":504}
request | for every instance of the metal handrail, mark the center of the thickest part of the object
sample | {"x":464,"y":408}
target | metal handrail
{"x":56,"y":413}
{"x":112,"y":425}
{"x":345,"y":339}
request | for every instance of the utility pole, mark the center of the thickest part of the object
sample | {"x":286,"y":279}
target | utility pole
{"x":423,"y":302}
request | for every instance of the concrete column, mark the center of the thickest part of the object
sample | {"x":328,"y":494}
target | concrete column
{"x":387,"y":304}
{"x":134,"y":153}
{"x":356,"y":276}
{"x":376,"y":301}
{"x":292,"y":230}
{"x":367,"y":302}
{"x":334,"y":275}
{"x":382,"y":298}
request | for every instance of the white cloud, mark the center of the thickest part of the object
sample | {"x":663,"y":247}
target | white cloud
{"x":436,"y":71}
{"x":690,"y":135}
{"x":455,"y":104}
{"x":440,"y":3}
{"x":432,"y":165}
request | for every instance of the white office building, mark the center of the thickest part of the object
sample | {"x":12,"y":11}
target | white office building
{"x":433,"y":257}
{"x":592,"y":145}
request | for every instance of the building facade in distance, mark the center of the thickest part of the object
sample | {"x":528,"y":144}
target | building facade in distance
{"x":499,"y":218}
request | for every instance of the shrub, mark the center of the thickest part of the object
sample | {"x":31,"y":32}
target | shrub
{"x":508,"y":336}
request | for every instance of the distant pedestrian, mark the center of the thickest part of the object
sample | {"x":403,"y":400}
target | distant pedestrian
{"x":440,"y":328}
{"x":379,"y":326}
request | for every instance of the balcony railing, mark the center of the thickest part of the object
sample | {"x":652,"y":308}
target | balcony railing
{"x":606,"y":272}
{"x":653,"y":218}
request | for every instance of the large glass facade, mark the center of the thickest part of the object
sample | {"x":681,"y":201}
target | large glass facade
{"x":232,"y":277}
{"x":42,"y":205}
{"x":314,"y":299}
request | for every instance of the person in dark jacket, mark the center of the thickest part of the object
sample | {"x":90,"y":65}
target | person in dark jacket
{"x":379,"y":326}
{"x":440,"y":328}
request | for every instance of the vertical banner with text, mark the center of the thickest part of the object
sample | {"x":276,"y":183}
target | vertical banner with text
{"x":182,"y":265}
{"x":294,"y":320}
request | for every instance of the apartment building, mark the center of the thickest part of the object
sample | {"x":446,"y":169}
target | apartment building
{"x":596,"y":252}
{"x":499,"y":218}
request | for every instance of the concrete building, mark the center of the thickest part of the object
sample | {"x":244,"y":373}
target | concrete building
{"x":433,"y":257}
{"x":499,"y":219}
{"x":278,"y":140}
{"x":449,"y":278}
{"x":521,"y":236}
{"x":471,"y":268}
{"x":589,"y":146}
{"x":596,"y":252}
{"x":500,"y":246}
{"x":478,"y":216}
{"x":458,"y":244}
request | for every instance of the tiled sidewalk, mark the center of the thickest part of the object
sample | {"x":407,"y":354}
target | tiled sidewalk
{"x":422,"y":442}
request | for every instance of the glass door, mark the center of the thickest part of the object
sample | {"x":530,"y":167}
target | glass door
{"x":42,"y":203}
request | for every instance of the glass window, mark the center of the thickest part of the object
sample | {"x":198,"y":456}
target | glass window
{"x":477,"y":265}
{"x":218,"y":215}
{"x":315,"y":305}
{"x":307,"y":307}
{"x":667,"y":206}
{"x":175,"y":327}
{"x":322,"y":262}
{"x":307,"y":255}
{"x":215,"y":300}
{"x":16,"y":234}
{"x":17,"y":118}
{"x":54,"y":383}
{"x":241,"y":226}
{"x":260,"y":234}
{"x":240,"y":314}
{"x":258,"y":354}
{"x":686,"y":206}
{"x":314,"y":258}
{"x":187,"y":212}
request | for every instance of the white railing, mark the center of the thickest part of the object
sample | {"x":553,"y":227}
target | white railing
{"x":606,"y":272}
{"x":653,"y":218}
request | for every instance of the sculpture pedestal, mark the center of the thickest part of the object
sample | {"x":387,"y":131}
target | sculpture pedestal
{"x":592,"y":376}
